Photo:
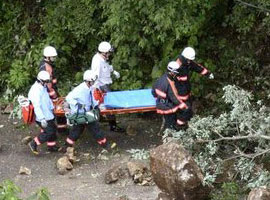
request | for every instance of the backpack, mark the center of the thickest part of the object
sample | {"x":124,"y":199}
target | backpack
{"x":83,"y":118}
{"x":28,"y":114}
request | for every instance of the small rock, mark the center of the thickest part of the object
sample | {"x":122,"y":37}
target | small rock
{"x":164,"y":196}
{"x":70,"y":154}
{"x":1,"y":126}
{"x":131,"y":130}
{"x":63,"y":164}
{"x":135,"y":168}
{"x":24,"y":171}
{"x":115,"y":173}
{"x":124,"y":197}
{"x":102,"y":157}
{"x":8,"y":109}
{"x":26,"y":140}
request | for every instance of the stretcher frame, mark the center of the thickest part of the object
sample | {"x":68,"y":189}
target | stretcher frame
{"x":59,"y":109}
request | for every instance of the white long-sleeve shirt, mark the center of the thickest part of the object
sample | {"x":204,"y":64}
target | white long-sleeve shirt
{"x":43,"y":105}
{"x":102,"y":68}
{"x":81,"y":94}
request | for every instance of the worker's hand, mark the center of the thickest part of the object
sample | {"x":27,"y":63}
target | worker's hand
{"x":211,"y":76}
{"x":44,"y":123}
{"x":117,"y":75}
{"x":79,"y":105}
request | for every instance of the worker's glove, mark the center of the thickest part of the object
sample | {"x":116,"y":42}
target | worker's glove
{"x":79,"y":105}
{"x":211,"y":76}
{"x":44,"y":123}
{"x":116,"y":74}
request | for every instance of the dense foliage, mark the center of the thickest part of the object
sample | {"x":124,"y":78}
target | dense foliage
{"x":10,"y":191}
{"x":230,"y":37}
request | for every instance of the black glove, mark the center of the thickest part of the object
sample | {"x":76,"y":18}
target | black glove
{"x":79,"y":105}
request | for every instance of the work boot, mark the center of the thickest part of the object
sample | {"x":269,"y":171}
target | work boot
{"x":53,"y":148}
{"x":116,"y":128}
{"x":33,"y":147}
{"x":109,"y":145}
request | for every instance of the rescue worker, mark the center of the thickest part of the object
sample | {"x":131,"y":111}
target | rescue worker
{"x":47,"y":64}
{"x":187,"y":66}
{"x":101,"y":67}
{"x":43,"y":109}
{"x":81,"y":99}
{"x":168,"y":102}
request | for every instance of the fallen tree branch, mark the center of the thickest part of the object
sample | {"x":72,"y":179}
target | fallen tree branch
{"x":235,"y":138}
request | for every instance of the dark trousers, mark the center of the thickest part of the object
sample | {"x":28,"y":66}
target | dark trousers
{"x":186,"y":115}
{"x":49,"y":133}
{"x":170,"y":120}
{"x":93,"y":127}
{"x":111,"y":118}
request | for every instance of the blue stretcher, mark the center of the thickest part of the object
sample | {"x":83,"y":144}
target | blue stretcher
{"x":120,"y":102}
{"x":129,"y":101}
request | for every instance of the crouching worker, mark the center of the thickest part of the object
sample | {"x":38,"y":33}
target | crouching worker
{"x":43,"y":108}
{"x":80,"y":100}
{"x":168,"y":102}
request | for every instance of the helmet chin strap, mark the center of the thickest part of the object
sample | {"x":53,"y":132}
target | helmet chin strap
{"x":49,"y":59}
{"x":105,"y":56}
{"x":41,"y":82}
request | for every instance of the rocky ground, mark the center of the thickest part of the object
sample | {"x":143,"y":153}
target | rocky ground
{"x":87,"y":179}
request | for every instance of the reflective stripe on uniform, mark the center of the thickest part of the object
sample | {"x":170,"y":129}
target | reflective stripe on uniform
{"x":61,"y":126}
{"x":204,"y":71}
{"x":70,"y":141}
{"x":182,"y":78}
{"x":54,"y":81}
{"x":164,"y":112}
{"x":183,"y":106}
{"x":37,"y":141}
{"x":160,"y":93}
{"x":183,"y":97}
{"x":102,"y":141}
{"x":180,"y":122}
{"x":52,"y":93}
{"x":50,"y":144}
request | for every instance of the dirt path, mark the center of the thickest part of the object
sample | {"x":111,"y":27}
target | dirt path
{"x":86,"y":180}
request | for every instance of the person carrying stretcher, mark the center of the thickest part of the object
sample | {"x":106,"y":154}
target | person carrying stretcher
{"x":168,"y":102}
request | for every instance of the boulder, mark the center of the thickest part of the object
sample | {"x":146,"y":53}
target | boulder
{"x":175,"y":172}
{"x":261,"y":193}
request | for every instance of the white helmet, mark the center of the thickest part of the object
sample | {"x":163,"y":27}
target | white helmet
{"x":43,"y":76}
{"x":89,"y":75}
{"x":173,"y":66}
{"x":189,"y":53}
{"x":104,"y":47}
{"x":49,"y":51}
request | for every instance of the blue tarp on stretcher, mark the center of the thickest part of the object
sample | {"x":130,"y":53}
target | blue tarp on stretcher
{"x":129,"y":99}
